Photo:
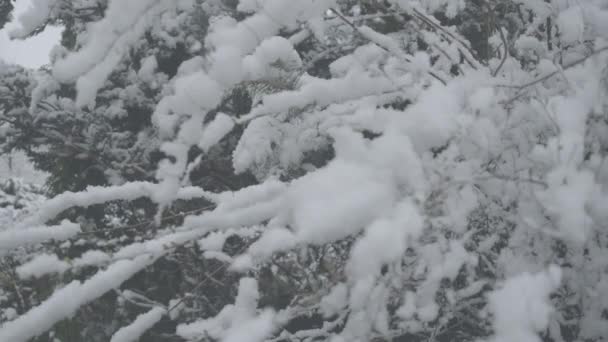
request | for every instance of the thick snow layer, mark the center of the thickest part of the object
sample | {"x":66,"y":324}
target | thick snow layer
{"x":385,"y":241}
{"x":42,"y":265}
{"x":249,"y":196}
{"x":213,"y":242}
{"x":119,"y":19}
{"x":235,"y":323}
{"x":33,"y":18}
{"x":335,"y":300}
{"x":569,"y":190}
{"x":243,"y":208}
{"x":99,"y":194}
{"x":272,"y":50}
{"x":226,"y":65}
{"x":256,"y":144}
{"x":322,"y":92}
{"x":215,"y":131}
{"x":381,"y":40}
{"x":248,"y":5}
{"x":274,"y":15}
{"x":108,"y":41}
{"x":337,"y":201}
{"x":434,"y":117}
{"x":64,"y":302}
{"x":17,"y":237}
{"x":521,"y":307}
{"x":195,"y":94}
{"x":21,"y":168}
{"x":142,"y":323}
{"x":418,"y":169}
{"x":571,"y":25}
{"x":567,"y":199}
{"x":235,"y":209}
{"x":257,"y":329}
{"x":22,"y":200}
{"x":91,"y":258}
{"x":451,"y":7}
{"x":147,"y":70}
{"x":45,"y":86}
{"x":272,"y":241}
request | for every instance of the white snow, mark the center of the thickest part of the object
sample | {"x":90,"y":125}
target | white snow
{"x":35,"y":16}
{"x":408,"y":309}
{"x":335,"y":300}
{"x":42,"y":265}
{"x":272,"y":241}
{"x":408,"y":199}
{"x":272,"y":50}
{"x":255,"y":146}
{"x":381,"y":40}
{"x":521,"y":307}
{"x":257,"y":329}
{"x":140,"y":325}
{"x":226,"y":65}
{"x":337,"y":201}
{"x":352,"y":86}
{"x":569,"y":190}
{"x":108,"y":41}
{"x":99,"y":194}
{"x":45,"y":86}
{"x":17,"y":237}
{"x":64,"y":302}
{"x":195,"y":94}
{"x":148,"y":68}
{"x":235,"y":323}
{"x":213,"y":242}
{"x":91,"y":258}
{"x":215,"y":131}
{"x":384,"y":241}
{"x":571,"y":25}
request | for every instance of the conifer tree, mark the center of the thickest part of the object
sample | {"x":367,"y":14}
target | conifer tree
{"x":311,"y":171}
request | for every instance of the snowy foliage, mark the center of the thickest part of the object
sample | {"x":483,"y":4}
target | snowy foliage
{"x":312,"y":170}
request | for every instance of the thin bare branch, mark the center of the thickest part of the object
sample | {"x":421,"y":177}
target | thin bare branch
{"x":349,"y":23}
{"x":558,"y":71}
{"x":505,"y":54}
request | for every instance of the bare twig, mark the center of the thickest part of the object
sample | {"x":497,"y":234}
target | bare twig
{"x":349,"y":23}
{"x":142,"y":224}
{"x":468,"y":52}
{"x":513,"y":179}
{"x":443,"y":52}
{"x":10,"y":275}
{"x":558,"y":71}
{"x":150,"y":304}
{"x":204,"y":281}
{"x":505,"y":55}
